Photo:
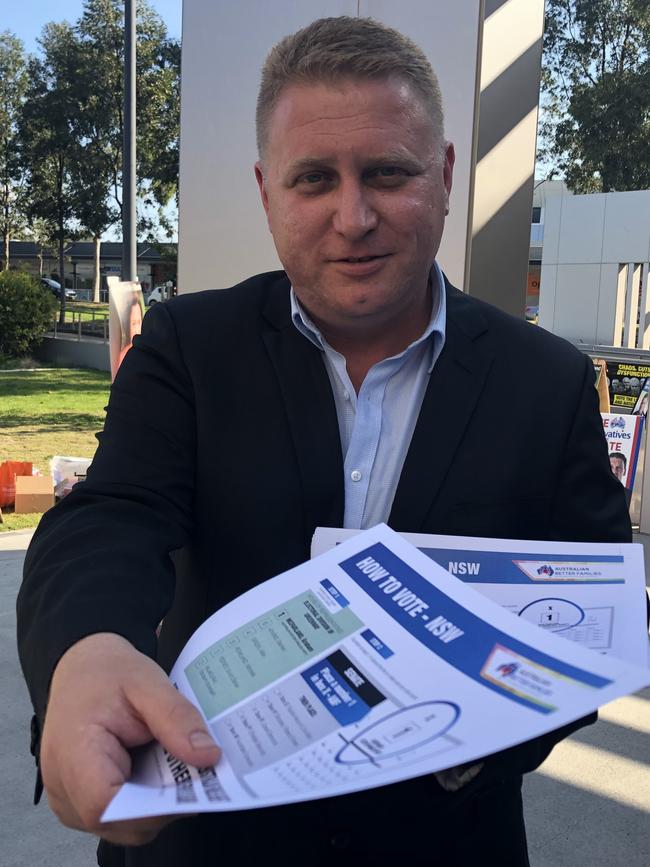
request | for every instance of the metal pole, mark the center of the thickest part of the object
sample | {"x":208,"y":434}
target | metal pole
{"x":129,"y":248}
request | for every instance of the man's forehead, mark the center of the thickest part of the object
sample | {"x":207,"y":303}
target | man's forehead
{"x":348,"y":94}
{"x":322,"y":110}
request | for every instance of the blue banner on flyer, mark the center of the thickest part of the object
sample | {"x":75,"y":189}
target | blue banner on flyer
{"x":381,"y":648}
{"x":481,"y":651}
{"x":342,"y":688}
{"x":497,"y":567}
{"x":335,"y":593}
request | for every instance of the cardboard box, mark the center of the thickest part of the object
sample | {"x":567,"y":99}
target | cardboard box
{"x":33,"y":494}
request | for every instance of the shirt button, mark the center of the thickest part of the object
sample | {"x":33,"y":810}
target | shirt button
{"x":355,"y":475}
{"x":346,"y":395}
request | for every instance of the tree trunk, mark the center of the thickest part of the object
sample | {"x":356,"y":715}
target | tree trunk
{"x":5,"y":227}
{"x":62,"y":279}
{"x":96,"y":272}
{"x":40,"y":260}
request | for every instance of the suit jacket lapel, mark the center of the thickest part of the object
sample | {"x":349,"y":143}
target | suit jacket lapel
{"x":311,"y":412}
{"x":454,"y":388}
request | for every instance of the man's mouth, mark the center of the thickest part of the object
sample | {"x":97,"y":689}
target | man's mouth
{"x":355,"y":259}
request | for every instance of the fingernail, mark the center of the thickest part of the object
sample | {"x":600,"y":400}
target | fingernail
{"x":201,"y":740}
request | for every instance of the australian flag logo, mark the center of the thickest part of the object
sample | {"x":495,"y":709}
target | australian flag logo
{"x":508,"y":668}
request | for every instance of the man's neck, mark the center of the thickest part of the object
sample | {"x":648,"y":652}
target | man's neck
{"x":366,"y":346}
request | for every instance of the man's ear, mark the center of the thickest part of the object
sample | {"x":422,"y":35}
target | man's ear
{"x":448,"y":171}
{"x":261,"y":183}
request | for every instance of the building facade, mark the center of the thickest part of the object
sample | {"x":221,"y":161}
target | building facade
{"x":156,"y":264}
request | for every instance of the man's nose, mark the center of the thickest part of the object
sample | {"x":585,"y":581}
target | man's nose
{"x":354,"y":214}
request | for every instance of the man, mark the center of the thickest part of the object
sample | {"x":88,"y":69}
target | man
{"x":242,"y":419}
{"x":618,"y":464}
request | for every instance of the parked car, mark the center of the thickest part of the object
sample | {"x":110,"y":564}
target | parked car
{"x":55,"y":288}
{"x":155,"y":295}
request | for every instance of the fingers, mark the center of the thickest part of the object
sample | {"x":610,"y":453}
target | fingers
{"x":111,"y":763}
{"x":105,"y":698}
{"x":172,"y":719}
{"x":79,"y":791}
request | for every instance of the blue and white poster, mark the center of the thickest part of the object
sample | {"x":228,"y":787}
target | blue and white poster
{"x":368,"y":665}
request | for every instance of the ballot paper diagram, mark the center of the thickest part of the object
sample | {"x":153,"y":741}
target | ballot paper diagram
{"x":365,"y":666}
{"x":399,"y":733}
{"x":553,"y":613}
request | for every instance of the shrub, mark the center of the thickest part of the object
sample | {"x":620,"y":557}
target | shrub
{"x":25,"y":312}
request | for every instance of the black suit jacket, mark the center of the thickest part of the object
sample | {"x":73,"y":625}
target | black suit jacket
{"x":222,"y":429}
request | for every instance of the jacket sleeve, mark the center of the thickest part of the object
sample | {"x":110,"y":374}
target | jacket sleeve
{"x":100,"y":560}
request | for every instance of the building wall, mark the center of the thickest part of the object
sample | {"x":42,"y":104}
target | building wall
{"x":594,"y":277}
{"x":486,"y":54}
{"x":497,"y":252}
{"x":223,"y":236}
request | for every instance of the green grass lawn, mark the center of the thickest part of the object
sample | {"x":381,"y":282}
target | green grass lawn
{"x":86,"y":312}
{"x":87,"y":306}
{"x":49,"y":412}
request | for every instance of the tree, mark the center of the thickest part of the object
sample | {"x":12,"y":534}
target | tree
{"x":49,"y":148}
{"x":93,"y":209}
{"x":37,"y":230}
{"x":13,"y":83}
{"x":596,"y":93}
{"x":159,"y":110}
{"x":100,"y":32}
{"x":72,"y":125}
{"x":25,"y":313}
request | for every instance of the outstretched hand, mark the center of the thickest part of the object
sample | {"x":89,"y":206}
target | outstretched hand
{"x":106,"y":698}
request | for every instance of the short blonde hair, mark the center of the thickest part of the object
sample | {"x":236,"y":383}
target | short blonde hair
{"x":333,"y":49}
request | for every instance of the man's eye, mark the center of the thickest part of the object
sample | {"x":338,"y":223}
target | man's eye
{"x":312,"y":178}
{"x":387,"y":173}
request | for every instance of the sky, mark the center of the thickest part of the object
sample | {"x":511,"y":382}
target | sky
{"x":26,"y":18}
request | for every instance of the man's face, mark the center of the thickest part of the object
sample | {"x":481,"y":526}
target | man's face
{"x":135,"y":320}
{"x":356,"y":189}
{"x":618,"y":466}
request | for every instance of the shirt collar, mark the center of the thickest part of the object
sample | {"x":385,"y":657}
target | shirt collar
{"x":436,"y":326}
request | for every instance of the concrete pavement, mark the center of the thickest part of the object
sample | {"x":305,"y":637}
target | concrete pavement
{"x":589,"y":802}
{"x":31,"y":835}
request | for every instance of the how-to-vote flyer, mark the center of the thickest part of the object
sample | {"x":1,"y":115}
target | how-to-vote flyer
{"x":590,"y":593}
{"x":367,"y":665}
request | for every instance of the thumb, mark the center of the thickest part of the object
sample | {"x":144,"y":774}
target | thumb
{"x":172,"y":720}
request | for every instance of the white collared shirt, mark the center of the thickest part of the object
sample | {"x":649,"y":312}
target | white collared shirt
{"x":376,"y":425}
